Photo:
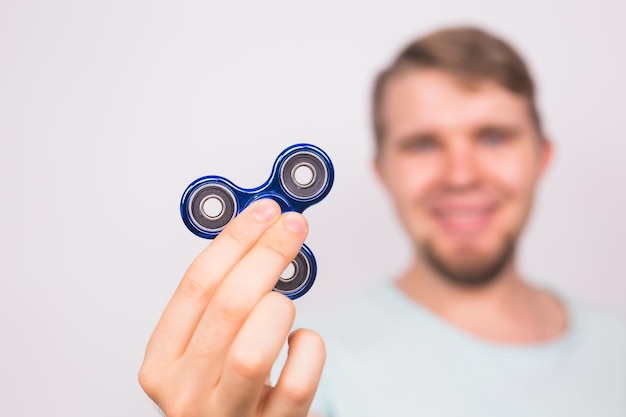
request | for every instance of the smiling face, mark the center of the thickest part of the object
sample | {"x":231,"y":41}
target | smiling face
{"x":461,"y":166}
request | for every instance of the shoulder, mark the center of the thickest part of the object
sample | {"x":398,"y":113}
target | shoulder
{"x":376,"y":314}
{"x":595,"y":318}
{"x":597,"y":329}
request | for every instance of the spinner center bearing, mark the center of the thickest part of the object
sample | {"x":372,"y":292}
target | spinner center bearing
{"x":212,"y":206}
{"x":304,"y":175}
{"x":295,"y":276}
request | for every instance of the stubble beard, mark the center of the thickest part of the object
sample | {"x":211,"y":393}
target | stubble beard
{"x":473,"y":271}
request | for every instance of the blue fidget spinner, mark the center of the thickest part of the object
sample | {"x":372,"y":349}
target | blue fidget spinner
{"x":302,"y":175}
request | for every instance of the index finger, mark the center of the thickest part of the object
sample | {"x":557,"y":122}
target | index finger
{"x":182,"y":314}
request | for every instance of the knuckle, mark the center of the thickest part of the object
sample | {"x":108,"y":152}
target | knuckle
{"x":298,"y":392}
{"x":285,"y":251}
{"x":192,"y":288}
{"x":148,"y":382}
{"x":240,"y":234}
{"x":283,"y":304}
{"x":179,"y":400}
{"x":228,"y":309}
{"x":249,"y":364}
{"x":181,"y":406}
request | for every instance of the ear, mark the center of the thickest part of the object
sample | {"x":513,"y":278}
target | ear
{"x":546,"y":155}
{"x":377,"y":168}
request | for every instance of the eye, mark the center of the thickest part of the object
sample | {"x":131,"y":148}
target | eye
{"x":419,"y":143}
{"x":494,"y":137}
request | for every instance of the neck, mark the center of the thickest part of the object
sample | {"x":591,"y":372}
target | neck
{"x":505,"y":310}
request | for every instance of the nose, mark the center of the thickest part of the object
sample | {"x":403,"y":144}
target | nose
{"x":461,"y":168}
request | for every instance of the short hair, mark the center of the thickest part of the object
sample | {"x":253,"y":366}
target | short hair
{"x":468,"y":54}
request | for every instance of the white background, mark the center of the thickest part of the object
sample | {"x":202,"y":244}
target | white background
{"x":109,"y":109}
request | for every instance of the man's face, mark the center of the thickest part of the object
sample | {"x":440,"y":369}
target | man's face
{"x":461,"y":166}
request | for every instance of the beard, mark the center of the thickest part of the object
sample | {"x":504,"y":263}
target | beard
{"x":470,"y":270}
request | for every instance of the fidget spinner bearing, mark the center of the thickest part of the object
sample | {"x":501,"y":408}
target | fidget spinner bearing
{"x":302,"y":175}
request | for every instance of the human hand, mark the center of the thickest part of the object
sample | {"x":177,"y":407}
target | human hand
{"x":212,"y":350}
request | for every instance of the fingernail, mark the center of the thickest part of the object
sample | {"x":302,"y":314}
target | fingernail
{"x":295,"y":222}
{"x":265,"y":210}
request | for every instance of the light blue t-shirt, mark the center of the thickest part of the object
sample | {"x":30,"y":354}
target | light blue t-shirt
{"x":388,"y":356}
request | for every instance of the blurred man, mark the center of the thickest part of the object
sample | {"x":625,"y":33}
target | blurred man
{"x":461,"y":151}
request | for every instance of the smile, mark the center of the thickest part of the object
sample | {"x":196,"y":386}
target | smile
{"x":464,"y":218}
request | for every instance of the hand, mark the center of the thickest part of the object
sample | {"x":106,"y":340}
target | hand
{"x":213,"y":349}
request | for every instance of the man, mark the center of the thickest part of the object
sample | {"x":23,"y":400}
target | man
{"x":461,"y":151}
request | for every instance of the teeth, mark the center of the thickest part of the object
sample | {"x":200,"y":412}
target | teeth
{"x":462,"y":214}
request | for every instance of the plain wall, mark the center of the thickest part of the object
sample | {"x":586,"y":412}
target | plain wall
{"x":109,"y":109}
